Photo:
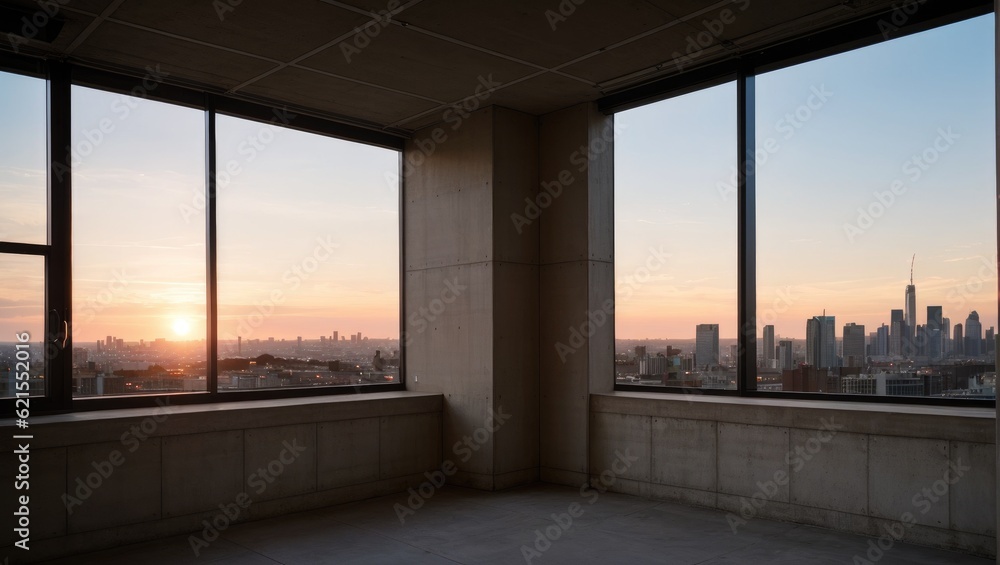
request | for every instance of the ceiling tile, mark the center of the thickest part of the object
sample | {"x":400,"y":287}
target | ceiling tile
{"x":335,"y":96}
{"x":278,"y":30}
{"x":649,"y":51}
{"x":182,"y":59}
{"x":520,"y":28}
{"x":415,"y":62}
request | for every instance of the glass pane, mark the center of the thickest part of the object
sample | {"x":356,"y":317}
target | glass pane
{"x":22,"y":325}
{"x":675,"y":241}
{"x":308,"y":259}
{"x":876,"y":219}
{"x":23,"y":180}
{"x":138,"y":245}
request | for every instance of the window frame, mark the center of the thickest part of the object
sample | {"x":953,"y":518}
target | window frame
{"x":60,"y":78}
{"x":743,"y":69}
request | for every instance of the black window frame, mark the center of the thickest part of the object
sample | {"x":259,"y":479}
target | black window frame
{"x":60,"y":78}
{"x":864,"y":32}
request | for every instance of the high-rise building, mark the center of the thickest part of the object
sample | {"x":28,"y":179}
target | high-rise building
{"x":785,"y":359}
{"x":239,"y":345}
{"x":946,"y":343}
{"x":706,"y":352}
{"x":910,"y":312}
{"x":336,"y":335}
{"x":973,"y":335}
{"x":933,"y":332}
{"x":989,"y":342}
{"x":768,"y":345}
{"x":821,"y":341}
{"x":640,"y":351}
{"x":298,"y":343}
{"x":959,"y":340}
{"x":897,"y":329}
{"x":854,"y":345}
{"x":882,"y":341}
{"x":108,"y":342}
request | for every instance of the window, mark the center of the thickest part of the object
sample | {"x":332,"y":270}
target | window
{"x":23,"y":235}
{"x":308,"y":259}
{"x":675,"y":242}
{"x":869,"y":163}
{"x":871,"y":240}
{"x":138,"y":260}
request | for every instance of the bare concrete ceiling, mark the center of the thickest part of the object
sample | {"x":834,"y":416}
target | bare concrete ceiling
{"x":347,"y":60}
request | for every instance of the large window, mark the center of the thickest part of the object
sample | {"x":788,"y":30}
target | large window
{"x":871,"y":229}
{"x":308,"y":259}
{"x":176,"y":250}
{"x":138,"y":264}
{"x":675,"y":242}
{"x":876,"y":218}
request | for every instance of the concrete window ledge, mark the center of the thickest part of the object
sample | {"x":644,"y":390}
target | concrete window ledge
{"x":957,"y":423}
{"x":109,"y":425}
{"x":859,"y":467}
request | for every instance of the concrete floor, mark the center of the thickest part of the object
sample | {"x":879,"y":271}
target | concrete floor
{"x":459,"y":525}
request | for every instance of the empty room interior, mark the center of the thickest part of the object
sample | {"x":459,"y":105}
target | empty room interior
{"x":532,"y":281}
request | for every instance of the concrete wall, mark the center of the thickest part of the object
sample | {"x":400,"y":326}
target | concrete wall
{"x":862,"y":467}
{"x":169,"y":469}
{"x":471,"y":290}
{"x":576,"y":352}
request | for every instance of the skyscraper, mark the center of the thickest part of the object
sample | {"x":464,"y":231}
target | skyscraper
{"x":854,"y":345}
{"x":821,"y":341}
{"x":973,"y":335}
{"x":706,"y":345}
{"x":882,"y":343}
{"x":946,"y":343}
{"x":768,"y":345}
{"x":959,"y":340}
{"x":896,"y":330}
{"x":785,"y":360}
{"x":910,"y":314}
{"x":933,"y":332}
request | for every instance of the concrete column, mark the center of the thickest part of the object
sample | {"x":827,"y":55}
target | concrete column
{"x":471,"y":291}
{"x":576,"y":248}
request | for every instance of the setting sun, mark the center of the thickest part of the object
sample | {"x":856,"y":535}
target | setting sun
{"x":181,"y":326}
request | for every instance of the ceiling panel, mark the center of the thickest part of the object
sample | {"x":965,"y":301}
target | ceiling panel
{"x":646,"y":52}
{"x":335,"y":96}
{"x":414,"y":62}
{"x":123,"y":45}
{"x":279,"y":30}
{"x":520,"y":28}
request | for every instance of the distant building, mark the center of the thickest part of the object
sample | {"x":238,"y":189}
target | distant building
{"x":785,"y":358}
{"x":933,"y":332}
{"x":821,"y":342}
{"x":769,"y":351}
{"x":897,"y":332}
{"x":973,"y":335}
{"x":854,"y":345}
{"x":910,"y":314}
{"x":958,"y":340}
{"x":706,"y":350}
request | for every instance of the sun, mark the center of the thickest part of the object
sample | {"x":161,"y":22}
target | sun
{"x":181,"y":326}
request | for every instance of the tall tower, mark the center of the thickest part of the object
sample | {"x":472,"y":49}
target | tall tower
{"x":910,"y":311}
{"x":973,"y":335}
{"x":854,"y":345}
{"x":821,"y":341}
